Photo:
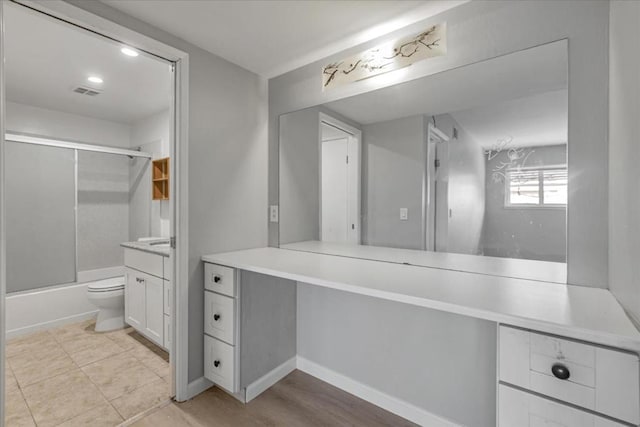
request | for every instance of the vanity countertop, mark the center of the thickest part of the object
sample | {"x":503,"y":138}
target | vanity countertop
{"x":589,"y":314}
{"x":158,"y":247}
{"x":544,"y":271}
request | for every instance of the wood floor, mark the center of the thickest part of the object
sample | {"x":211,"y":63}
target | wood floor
{"x":297,"y":400}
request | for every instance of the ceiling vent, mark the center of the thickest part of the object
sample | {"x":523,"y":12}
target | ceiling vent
{"x":83,"y":90}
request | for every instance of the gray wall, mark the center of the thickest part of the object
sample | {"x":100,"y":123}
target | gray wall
{"x":463,"y":215}
{"x":227,"y":162}
{"x":479,"y":30}
{"x":441,"y":362}
{"x":103,"y":209}
{"x":300,"y":176}
{"x":531,"y":233}
{"x":393,"y":163}
{"x":624,"y":155}
{"x":476,"y":30}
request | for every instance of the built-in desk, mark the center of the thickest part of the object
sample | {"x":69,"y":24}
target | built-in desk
{"x":559,"y":316}
{"x":544,"y":271}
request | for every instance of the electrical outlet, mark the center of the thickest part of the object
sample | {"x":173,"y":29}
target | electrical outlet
{"x":273,"y":213}
{"x":404,"y":214}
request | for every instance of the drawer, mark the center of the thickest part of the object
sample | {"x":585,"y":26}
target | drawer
{"x":144,"y":261}
{"x":167,"y":332}
{"x":598,"y":378}
{"x":518,"y":408}
{"x":218,"y":278}
{"x":219,"y":316}
{"x":219,"y":363}
{"x":168,"y":297}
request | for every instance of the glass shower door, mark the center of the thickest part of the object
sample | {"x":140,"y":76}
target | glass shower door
{"x":40,"y":216}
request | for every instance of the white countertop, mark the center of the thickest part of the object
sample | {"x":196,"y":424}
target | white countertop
{"x":544,"y":271}
{"x":583,"y":313}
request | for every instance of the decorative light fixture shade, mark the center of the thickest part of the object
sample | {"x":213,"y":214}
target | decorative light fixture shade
{"x":388,"y":57}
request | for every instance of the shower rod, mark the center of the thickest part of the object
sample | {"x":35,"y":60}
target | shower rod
{"x":75,"y":145}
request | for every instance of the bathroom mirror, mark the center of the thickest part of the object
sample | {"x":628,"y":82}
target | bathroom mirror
{"x":464,"y":169}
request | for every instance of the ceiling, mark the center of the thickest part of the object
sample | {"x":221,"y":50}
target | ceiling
{"x":46,"y":59}
{"x":273,"y":37}
{"x":522,"y":95}
{"x":531,"y":121}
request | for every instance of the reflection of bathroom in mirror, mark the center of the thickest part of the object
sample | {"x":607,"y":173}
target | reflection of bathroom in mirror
{"x":467,"y":166}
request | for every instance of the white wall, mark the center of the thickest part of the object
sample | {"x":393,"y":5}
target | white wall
{"x":56,"y":124}
{"x":147,"y":217}
{"x":624,"y":154}
{"x":227,"y":162}
{"x":477,"y":30}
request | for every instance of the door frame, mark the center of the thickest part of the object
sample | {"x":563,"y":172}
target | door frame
{"x":355,"y":135}
{"x":178,"y":204}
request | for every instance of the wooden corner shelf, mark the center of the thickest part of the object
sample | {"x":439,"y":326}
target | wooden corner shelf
{"x":160,"y":179}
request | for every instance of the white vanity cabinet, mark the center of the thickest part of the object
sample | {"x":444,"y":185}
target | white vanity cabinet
{"x":551,"y":380}
{"x":148,"y":294}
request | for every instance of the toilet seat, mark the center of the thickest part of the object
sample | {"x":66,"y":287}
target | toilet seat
{"x":106,"y":286}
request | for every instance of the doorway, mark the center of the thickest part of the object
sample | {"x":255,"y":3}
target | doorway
{"x":96,"y":186}
{"x":339,"y":181}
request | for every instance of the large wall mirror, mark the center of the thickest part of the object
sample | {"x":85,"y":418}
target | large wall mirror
{"x":465,"y":169}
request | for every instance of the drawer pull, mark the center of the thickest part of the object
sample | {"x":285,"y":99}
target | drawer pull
{"x":216,"y":363}
{"x":216,"y":317}
{"x":217,"y":279}
{"x":560,"y":371}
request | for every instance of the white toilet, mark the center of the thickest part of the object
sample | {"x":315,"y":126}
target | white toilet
{"x":108,"y":296}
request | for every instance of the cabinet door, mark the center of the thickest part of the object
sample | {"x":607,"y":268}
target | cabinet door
{"x":134,"y":300}
{"x":154,"y":316}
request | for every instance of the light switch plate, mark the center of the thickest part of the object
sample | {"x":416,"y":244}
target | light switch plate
{"x":404,"y":214}
{"x":273,"y":213}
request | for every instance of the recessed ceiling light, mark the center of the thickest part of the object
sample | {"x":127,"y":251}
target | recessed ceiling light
{"x":129,"y":52}
{"x":95,"y":79}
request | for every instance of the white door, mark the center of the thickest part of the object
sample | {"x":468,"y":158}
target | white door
{"x":335,"y":213}
{"x":154,"y":313}
{"x":134,"y":306}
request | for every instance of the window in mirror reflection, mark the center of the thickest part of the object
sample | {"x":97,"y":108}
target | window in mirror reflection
{"x":537,"y":187}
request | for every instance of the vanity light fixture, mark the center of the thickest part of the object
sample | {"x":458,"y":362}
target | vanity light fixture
{"x":129,"y":52}
{"x":95,"y":79}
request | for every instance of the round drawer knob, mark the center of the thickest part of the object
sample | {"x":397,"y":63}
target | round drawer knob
{"x":216,"y":317}
{"x":560,"y":371}
{"x":217,"y":279}
{"x":216,"y":363}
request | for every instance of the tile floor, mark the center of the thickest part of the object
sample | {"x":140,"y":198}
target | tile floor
{"x":73,"y":376}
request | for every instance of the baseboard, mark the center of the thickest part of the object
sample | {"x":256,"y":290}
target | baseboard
{"x":40,"y":309}
{"x":197,"y":386}
{"x":263,"y":383}
{"x":378,"y":398}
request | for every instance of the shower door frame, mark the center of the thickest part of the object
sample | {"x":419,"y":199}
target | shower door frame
{"x":74,"y":15}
